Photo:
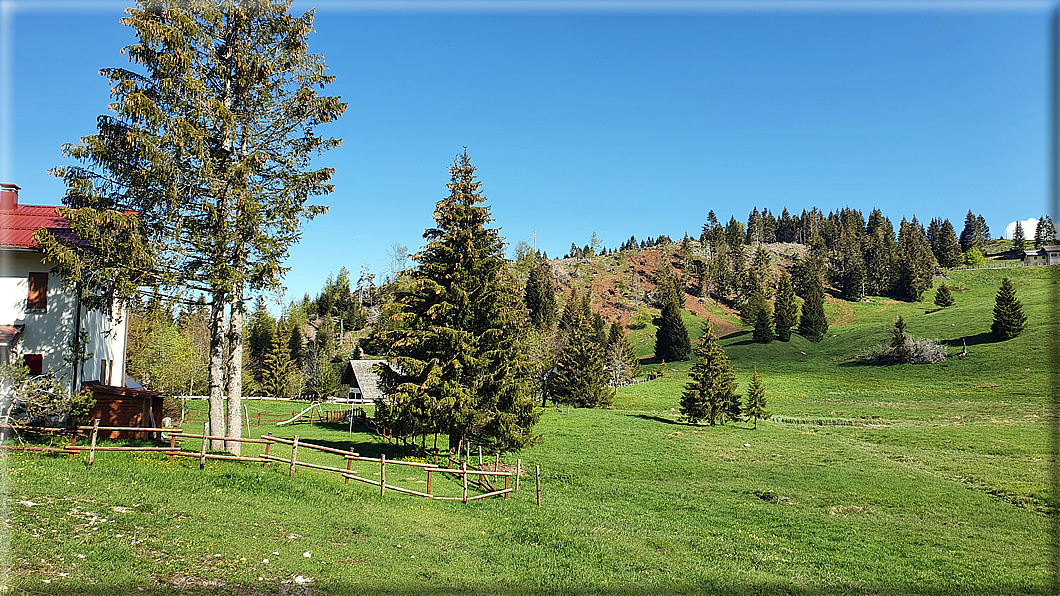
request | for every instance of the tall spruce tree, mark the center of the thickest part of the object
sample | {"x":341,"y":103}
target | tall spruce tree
{"x":461,"y":365}
{"x":756,"y":400}
{"x":540,"y":297}
{"x":1009,"y":320}
{"x":813,"y":324}
{"x":712,"y":382}
{"x":785,"y":310}
{"x":1019,"y":238}
{"x":580,"y":378}
{"x":276,"y":364}
{"x":1044,"y":232}
{"x":671,"y":339}
{"x":200,"y":178}
{"x":761,"y":315}
{"x":915,"y":261}
{"x":879,"y":254}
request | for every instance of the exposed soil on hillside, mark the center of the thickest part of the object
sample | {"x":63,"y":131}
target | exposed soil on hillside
{"x":621,"y":283}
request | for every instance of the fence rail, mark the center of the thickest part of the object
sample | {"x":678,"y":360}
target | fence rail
{"x":176,"y":435}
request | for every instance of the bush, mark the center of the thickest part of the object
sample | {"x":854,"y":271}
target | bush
{"x":911,"y":350}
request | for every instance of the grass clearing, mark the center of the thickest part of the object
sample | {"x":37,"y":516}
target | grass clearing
{"x":935,"y":482}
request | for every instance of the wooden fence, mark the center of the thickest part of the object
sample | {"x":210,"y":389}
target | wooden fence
{"x":480,"y":479}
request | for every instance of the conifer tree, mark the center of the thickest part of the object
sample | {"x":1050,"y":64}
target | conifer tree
{"x":1044,"y":233}
{"x":762,"y":318}
{"x":915,"y":261}
{"x":671,"y":339}
{"x":879,"y":255}
{"x":200,"y":178}
{"x":712,"y":385}
{"x":581,"y":377}
{"x":277,"y":364}
{"x":461,"y":365}
{"x":943,"y":296}
{"x":1019,"y":238}
{"x":812,"y":324}
{"x":1009,"y":320}
{"x":540,"y":297}
{"x":786,"y":310}
{"x":756,"y":400}
{"x":622,"y":363}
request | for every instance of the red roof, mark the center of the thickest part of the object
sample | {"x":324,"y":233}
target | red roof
{"x":17,"y":226}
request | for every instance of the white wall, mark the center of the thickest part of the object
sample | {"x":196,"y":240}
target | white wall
{"x":50,"y":333}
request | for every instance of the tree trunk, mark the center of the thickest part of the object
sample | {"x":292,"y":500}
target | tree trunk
{"x":235,"y":371}
{"x":217,"y":369}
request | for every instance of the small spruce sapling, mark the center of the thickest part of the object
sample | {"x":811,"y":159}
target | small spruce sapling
{"x":1009,"y":319}
{"x":943,"y":296}
{"x":756,"y":400}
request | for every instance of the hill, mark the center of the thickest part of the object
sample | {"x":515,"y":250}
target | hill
{"x":901,"y":479}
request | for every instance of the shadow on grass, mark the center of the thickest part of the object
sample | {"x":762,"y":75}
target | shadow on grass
{"x":657,"y":419}
{"x":985,"y":337}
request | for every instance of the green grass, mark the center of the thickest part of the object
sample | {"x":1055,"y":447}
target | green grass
{"x":871,"y":480}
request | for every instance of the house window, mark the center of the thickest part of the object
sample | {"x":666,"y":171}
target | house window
{"x":35,"y":363}
{"x":38,"y":293}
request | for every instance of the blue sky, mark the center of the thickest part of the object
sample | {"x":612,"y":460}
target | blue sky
{"x":623,"y":122}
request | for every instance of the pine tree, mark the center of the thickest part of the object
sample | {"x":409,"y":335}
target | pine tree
{"x":786,"y":310}
{"x":1009,"y":320}
{"x":947,"y":249}
{"x":461,"y":363}
{"x":943,"y":296}
{"x":1019,"y":238}
{"x":277,"y":365}
{"x":915,"y":261}
{"x":879,"y":255}
{"x":756,"y":400}
{"x":712,"y":384}
{"x":581,"y":377}
{"x":540,"y":297}
{"x":761,"y":318}
{"x":200,"y":178}
{"x":1044,"y":233}
{"x":671,"y":339}
{"x":622,"y":363}
{"x":812,"y":324}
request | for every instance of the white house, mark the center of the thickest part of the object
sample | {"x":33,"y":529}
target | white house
{"x":1046,"y":255}
{"x":39,"y":320}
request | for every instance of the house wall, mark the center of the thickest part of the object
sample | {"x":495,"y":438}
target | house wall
{"x":50,"y":333}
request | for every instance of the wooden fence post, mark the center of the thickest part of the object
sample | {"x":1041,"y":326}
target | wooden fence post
{"x":202,"y":452}
{"x":349,"y":466}
{"x":429,"y":482}
{"x":294,"y":455}
{"x":259,"y":418}
{"x":268,"y":446}
{"x":538,"y":485}
{"x":507,"y":480}
{"x":497,"y":462}
{"x":92,"y":448}
{"x":518,"y":472}
{"x":480,"y":456}
{"x":382,"y":474}
{"x":463,"y":468}
{"x":172,"y":445}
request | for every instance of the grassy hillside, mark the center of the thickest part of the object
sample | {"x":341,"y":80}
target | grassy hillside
{"x":868,"y":480}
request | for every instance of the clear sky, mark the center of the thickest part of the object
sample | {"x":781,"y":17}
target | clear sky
{"x":616,"y":118}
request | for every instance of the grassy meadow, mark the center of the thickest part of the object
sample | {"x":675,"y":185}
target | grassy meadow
{"x":899,"y":479}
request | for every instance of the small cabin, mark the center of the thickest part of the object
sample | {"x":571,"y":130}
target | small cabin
{"x":363,"y":382}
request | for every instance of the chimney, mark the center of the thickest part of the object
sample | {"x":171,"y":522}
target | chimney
{"x":8,"y":197}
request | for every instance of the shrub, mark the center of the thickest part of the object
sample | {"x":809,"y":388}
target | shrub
{"x":911,"y":350}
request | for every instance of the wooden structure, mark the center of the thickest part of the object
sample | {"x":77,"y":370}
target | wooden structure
{"x":126,"y":407}
{"x":362,"y":381}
